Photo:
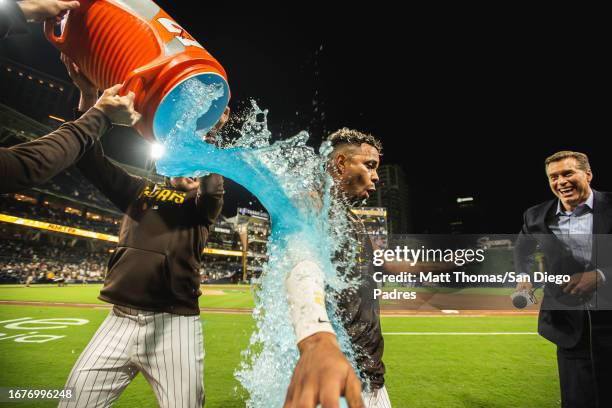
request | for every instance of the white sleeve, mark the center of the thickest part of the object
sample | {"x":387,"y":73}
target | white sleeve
{"x":306,"y":298}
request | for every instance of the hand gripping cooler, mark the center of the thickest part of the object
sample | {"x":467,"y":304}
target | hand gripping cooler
{"x":137,"y":43}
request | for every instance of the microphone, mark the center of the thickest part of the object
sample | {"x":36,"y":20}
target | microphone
{"x":523,"y":298}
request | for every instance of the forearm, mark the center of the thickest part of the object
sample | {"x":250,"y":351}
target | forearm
{"x":35,"y":162}
{"x":210,"y":198}
{"x":87,"y":100}
{"x":113,"y":181}
{"x":315,"y":339}
{"x":306,"y":297}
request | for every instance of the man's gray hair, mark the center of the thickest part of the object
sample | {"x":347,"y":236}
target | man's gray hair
{"x":581,"y":158}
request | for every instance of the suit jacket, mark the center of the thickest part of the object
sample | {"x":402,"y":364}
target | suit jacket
{"x":562,"y":316}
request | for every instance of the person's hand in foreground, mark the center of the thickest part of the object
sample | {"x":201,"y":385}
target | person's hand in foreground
{"x":118,"y":109}
{"x":581,"y":284}
{"x":41,"y":10}
{"x":524,"y":286}
{"x":322,"y":375}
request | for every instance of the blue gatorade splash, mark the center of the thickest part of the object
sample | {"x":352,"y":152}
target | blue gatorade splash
{"x":168,"y":114}
{"x":343,"y":403}
{"x":289,"y":179}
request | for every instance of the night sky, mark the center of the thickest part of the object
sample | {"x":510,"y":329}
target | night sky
{"x":465,"y":107}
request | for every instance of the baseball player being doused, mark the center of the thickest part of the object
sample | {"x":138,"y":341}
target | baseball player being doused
{"x":322,"y":372}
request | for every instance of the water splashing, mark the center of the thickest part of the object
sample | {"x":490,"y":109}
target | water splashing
{"x":290,"y":180}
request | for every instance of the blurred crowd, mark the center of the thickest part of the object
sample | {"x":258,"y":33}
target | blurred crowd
{"x":56,"y":216}
{"x":24,"y":261}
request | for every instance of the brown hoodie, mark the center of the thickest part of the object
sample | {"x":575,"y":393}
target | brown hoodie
{"x":163,"y":232}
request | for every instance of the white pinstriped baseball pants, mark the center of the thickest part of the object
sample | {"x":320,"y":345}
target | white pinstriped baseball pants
{"x":168,"y":349}
{"x":376,"y":399}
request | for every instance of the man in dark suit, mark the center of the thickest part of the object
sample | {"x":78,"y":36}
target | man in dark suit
{"x":572,"y":233}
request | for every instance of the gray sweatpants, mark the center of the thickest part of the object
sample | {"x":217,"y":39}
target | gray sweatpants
{"x":168,"y":349}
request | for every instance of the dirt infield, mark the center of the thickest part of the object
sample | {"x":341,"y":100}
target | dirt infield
{"x":213,"y":292}
{"x":457,"y":303}
{"x":108,"y":307}
{"x":384,"y":312}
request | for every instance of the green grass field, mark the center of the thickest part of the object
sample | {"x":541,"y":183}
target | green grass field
{"x":423,"y":370}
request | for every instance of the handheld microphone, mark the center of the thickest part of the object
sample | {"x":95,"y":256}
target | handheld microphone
{"x":523,"y":298}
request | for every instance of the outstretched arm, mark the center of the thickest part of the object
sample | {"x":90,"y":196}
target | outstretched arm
{"x":14,"y":15}
{"x":209,"y":201}
{"x":33,"y":163}
{"x":113,"y":181}
{"x":322,"y":373}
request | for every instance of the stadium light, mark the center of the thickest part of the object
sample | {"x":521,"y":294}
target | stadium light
{"x":157,"y":151}
{"x":55,"y":117}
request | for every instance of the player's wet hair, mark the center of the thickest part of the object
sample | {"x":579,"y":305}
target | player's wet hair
{"x":346,"y":136}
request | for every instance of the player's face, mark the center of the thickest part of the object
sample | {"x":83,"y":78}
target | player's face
{"x":569,"y":183}
{"x":357,"y":176}
{"x":185,"y":183}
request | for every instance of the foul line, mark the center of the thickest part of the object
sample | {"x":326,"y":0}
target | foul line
{"x":459,"y":333}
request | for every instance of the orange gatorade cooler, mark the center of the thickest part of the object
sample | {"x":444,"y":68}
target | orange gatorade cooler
{"x":137,"y":43}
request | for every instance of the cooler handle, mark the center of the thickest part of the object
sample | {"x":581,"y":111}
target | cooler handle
{"x":49,"y":28}
{"x":137,"y":79}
